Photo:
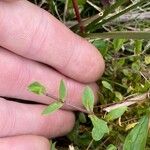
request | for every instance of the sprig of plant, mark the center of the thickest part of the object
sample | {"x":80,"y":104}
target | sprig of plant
{"x":136,"y":139}
{"x":100,"y":127}
{"x":60,"y":101}
{"x":39,"y":89}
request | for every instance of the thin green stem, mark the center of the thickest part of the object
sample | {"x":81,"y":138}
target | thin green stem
{"x":90,"y":144}
{"x":68,"y":104}
{"x":77,"y":108}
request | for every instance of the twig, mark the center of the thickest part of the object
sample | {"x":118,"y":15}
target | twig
{"x":129,"y":101}
{"x":90,"y":144}
{"x":76,"y":9}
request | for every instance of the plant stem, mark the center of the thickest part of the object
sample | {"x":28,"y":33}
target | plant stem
{"x":78,"y":108}
{"x":90,"y":144}
{"x":76,"y":9}
{"x":68,"y":104}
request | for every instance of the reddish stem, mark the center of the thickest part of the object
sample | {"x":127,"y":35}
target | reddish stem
{"x":68,"y":104}
{"x":76,"y":9}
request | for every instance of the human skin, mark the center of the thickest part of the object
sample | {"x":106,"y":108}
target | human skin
{"x":34,"y":46}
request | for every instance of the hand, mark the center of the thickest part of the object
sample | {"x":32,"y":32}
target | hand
{"x":37,"y":47}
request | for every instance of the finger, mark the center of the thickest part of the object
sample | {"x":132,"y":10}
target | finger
{"x":37,"y":35}
{"x":20,"y":72}
{"x":24,"y":142}
{"x":20,"y":119}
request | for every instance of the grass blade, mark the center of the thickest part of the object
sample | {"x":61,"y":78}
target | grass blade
{"x":97,"y":26}
{"x":122,"y":35}
{"x":106,"y":13}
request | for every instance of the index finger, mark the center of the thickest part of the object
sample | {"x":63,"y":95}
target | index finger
{"x":33,"y":33}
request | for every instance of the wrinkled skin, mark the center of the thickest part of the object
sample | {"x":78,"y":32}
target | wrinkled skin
{"x":34,"y":46}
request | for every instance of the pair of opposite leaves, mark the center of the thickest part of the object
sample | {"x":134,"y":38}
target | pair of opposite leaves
{"x":99,"y":126}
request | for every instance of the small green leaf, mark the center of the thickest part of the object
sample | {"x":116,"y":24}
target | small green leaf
{"x":53,"y":146}
{"x":37,"y":88}
{"x":107,"y":85}
{"x":100,"y":128}
{"x":111,"y":147}
{"x":127,"y":72}
{"x":118,"y":43}
{"x":82,"y":118}
{"x":147,"y":59}
{"x":116,"y":113}
{"x":62,"y":91}
{"x":101,"y":45}
{"x":120,"y":63}
{"x":136,"y":139}
{"x":118,"y":95}
{"x":88,"y":99}
{"x":136,"y":66}
{"x":52,"y":108}
{"x":138,"y":47}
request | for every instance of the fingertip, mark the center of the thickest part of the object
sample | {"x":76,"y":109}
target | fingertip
{"x":96,"y":65}
{"x":43,"y":142}
{"x":24,"y":142}
{"x":65,"y":51}
{"x":37,"y":142}
{"x":57,"y":124}
{"x":87,"y":64}
{"x":65,"y":122}
{"x":70,"y":121}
